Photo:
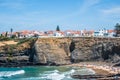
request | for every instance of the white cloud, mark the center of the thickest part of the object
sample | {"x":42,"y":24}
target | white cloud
{"x":87,"y":4}
{"x":115,"y":10}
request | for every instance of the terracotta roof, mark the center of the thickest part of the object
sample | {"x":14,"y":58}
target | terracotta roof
{"x":110,"y":31}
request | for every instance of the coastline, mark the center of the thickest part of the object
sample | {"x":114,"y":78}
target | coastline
{"x":100,"y":68}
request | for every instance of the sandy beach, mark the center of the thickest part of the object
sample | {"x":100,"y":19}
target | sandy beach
{"x":100,"y":68}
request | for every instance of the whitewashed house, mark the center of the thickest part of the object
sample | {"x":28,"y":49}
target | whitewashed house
{"x":111,"y":33}
{"x":49,"y":33}
{"x":68,"y":33}
{"x":96,"y":34}
{"x":76,"y":33}
{"x":9,"y":34}
{"x":89,"y":33}
{"x":41,"y":33}
{"x":101,"y":33}
{"x":72,"y":33}
{"x":59,"y":34}
{"x":24,"y":34}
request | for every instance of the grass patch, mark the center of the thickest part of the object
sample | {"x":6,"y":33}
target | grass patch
{"x":5,"y":39}
{"x":21,"y":41}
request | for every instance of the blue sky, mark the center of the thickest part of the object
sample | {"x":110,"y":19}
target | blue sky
{"x":68,"y":14}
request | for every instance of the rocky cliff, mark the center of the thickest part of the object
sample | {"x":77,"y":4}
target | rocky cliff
{"x":65,"y":50}
{"x":59,"y":51}
{"x":16,"y":55}
{"x":52,"y":51}
{"x":95,"y":49}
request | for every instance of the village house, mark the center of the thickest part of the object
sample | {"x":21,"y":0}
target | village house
{"x":83,"y":32}
{"x":89,"y":33}
{"x":59,"y":34}
{"x":49,"y":33}
{"x":72,"y":33}
{"x":25,"y":34}
{"x":111,"y":33}
{"x":41,"y":33}
{"x":7,"y":34}
{"x":76,"y":33}
{"x":3,"y":33}
{"x":101,"y":33}
{"x":67,"y":33}
{"x":96,"y":33}
{"x":16,"y":34}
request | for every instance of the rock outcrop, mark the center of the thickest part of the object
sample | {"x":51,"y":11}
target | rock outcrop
{"x":16,"y":55}
{"x":52,"y":51}
{"x":92,"y":49}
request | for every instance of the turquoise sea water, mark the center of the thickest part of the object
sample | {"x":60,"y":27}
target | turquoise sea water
{"x":42,"y":73}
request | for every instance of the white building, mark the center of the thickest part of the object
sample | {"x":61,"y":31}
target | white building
{"x":59,"y":34}
{"x":111,"y":33}
{"x":101,"y":33}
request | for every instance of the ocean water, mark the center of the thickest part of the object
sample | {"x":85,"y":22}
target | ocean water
{"x":42,"y":73}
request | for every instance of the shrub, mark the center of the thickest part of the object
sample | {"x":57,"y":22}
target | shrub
{"x":5,"y":38}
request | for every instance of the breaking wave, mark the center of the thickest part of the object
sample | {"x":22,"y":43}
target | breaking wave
{"x":11,"y":73}
{"x":42,"y":73}
{"x":57,"y":75}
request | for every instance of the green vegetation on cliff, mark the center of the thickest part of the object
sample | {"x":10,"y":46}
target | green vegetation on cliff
{"x":21,"y":44}
{"x":117,"y":28}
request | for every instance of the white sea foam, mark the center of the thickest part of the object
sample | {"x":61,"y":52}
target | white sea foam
{"x":55,"y":71}
{"x":84,"y":71}
{"x":71,"y":71}
{"x":49,"y":72}
{"x":92,"y":71}
{"x":33,"y":78}
{"x":57,"y":75}
{"x":53,"y":75}
{"x":11,"y":73}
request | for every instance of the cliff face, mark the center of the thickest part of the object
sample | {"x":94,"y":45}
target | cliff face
{"x":58,"y":51}
{"x":107,"y":51}
{"x":52,"y":51}
{"x":95,"y":49}
{"x":63,"y":51}
{"x":16,"y":55}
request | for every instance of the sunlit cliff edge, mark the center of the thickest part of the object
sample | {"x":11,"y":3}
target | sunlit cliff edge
{"x":60,"y":51}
